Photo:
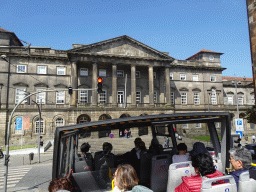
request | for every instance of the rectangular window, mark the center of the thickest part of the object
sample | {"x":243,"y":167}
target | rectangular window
{"x":154,"y":75}
{"x":172,"y":98}
{"x":198,"y":125}
{"x":138,"y":97}
{"x":155,"y":97}
{"x":195,"y":77}
{"x":103,"y":96}
{"x":20,"y":95}
{"x":60,"y":97}
{"x":183,"y":98}
{"x":61,"y":71}
{"x":213,"y":97}
{"x":40,"y":96}
{"x":21,"y":68}
{"x":41,"y":69}
{"x":184,"y":126}
{"x":240,"y":100}
{"x":230,"y":99}
{"x":41,"y":126}
{"x":252,"y":100}
{"x":171,"y":76}
{"x":182,"y":77}
{"x":196,"y":99}
{"x":83,"y":72}
{"x":120,"y":97}
{"x":213,"y":78}
{"x":84,"y":96}
{"x":102,"y":72}
{"x":137,"y":74}
{"x":120,"y":73}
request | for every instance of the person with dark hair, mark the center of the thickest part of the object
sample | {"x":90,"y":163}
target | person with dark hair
{"x":60,"y":184}
{"x":241,"y":160}
{"x":204,"y":168}
{"x":181,"y":156}
{"x":198,"y":148}
{"x":155,"y":147}
{"x":126,"y":179}
{"x":85,"y":147}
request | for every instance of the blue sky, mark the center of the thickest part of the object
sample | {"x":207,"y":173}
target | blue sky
{"x":180,"y":27}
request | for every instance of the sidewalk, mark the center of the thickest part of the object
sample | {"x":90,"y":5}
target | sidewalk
{"x":25,"y":151}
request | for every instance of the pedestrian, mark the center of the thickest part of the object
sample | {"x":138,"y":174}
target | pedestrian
{"x":120,"y":135}
{"x":253,"y":138}
{"x":126,"y":133}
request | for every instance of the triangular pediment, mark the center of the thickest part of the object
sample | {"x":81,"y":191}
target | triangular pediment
{"x":121,"y":46}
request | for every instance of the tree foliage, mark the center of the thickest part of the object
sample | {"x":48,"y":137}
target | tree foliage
{"x":251,"y":115}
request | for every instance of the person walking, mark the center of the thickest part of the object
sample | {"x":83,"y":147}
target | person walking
{"x":253,"y":138}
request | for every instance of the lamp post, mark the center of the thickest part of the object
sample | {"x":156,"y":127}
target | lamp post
{"x":6,"y":156}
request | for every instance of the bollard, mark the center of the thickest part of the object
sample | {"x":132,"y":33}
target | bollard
{"x":31,"y":157}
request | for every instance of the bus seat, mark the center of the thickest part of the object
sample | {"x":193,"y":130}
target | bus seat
{"x":145,"y":166}
{"x":217,"y":164}
{"x":229,"y":187}
{"x":159,"y":172}
{"x":246,"y":183}
{"x":86,"y":181}
{"x":83,"y":165}
{"x":176,"y":173}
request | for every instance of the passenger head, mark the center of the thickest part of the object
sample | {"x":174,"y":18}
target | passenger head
{"x":198,"y":147}
{"x":107,"y":147}
{"x":125,"y":177}
{"x":85,"y":147}
{"x":136,"y":141}
{"x":203,"y":164}
{"x":60,"y":184}
{"x":240,"y":158}
{"x":182,"y":148}
{"x":141,"y":145}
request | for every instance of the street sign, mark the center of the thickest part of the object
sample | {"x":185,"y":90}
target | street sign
{"x":111,"y":135}
{"x":241,"y":133}
{"x":18,"y":123}
{"x":239,"y":125}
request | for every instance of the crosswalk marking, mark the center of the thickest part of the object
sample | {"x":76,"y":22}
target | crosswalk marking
{"x":15,"y":174}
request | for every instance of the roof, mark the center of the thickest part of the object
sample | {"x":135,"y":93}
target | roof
{"x":15,"y":38}
{"x":237,"y":78}
{"x":3,"y":30}
{"x":202,"y":51}
{"x":164,"y":55}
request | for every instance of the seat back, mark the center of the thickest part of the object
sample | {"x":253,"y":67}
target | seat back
{"x":176,"y":172}
{"x":159,"y":172}
{"x":105,"y":159}
{"x":207,"y":185}
{"x":246,"y":183}
{"x":145,"y":166}
{"x":218,"y":164}
{"x":83,"y":165}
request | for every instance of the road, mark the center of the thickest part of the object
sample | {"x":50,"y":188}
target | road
{"x":23,"y":174}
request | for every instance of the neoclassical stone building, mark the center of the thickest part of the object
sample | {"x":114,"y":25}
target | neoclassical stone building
{"x":137,"y":80}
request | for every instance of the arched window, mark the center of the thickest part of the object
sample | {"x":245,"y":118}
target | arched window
{"x":83,"y":119}
{"x":59,"y":122}
{"x":213,"y":97}
{"x":41,"y":126}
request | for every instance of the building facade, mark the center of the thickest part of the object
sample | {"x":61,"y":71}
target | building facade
{"x":137,"y":80}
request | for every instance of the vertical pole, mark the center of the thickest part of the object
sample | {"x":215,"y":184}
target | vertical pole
{"x":125,"y":90}
{"x":39,"y":132}
{"x":209,"y":102}
{"x":237,"y":109}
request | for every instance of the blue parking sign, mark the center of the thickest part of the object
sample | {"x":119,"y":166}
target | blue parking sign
{"x":239,"y":122}
{"x":18,"y":123}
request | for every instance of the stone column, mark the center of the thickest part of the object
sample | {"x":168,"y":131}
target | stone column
{"x":151,"y":86}
{"x":133,"y":86}
{"x":167,"y":86}
{"x":74,"y":84}
{"x":94,"y":84}
{"x":114,"y":86}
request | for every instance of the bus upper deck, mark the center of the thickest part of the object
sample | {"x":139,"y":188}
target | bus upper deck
{"x":69,"y":138}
